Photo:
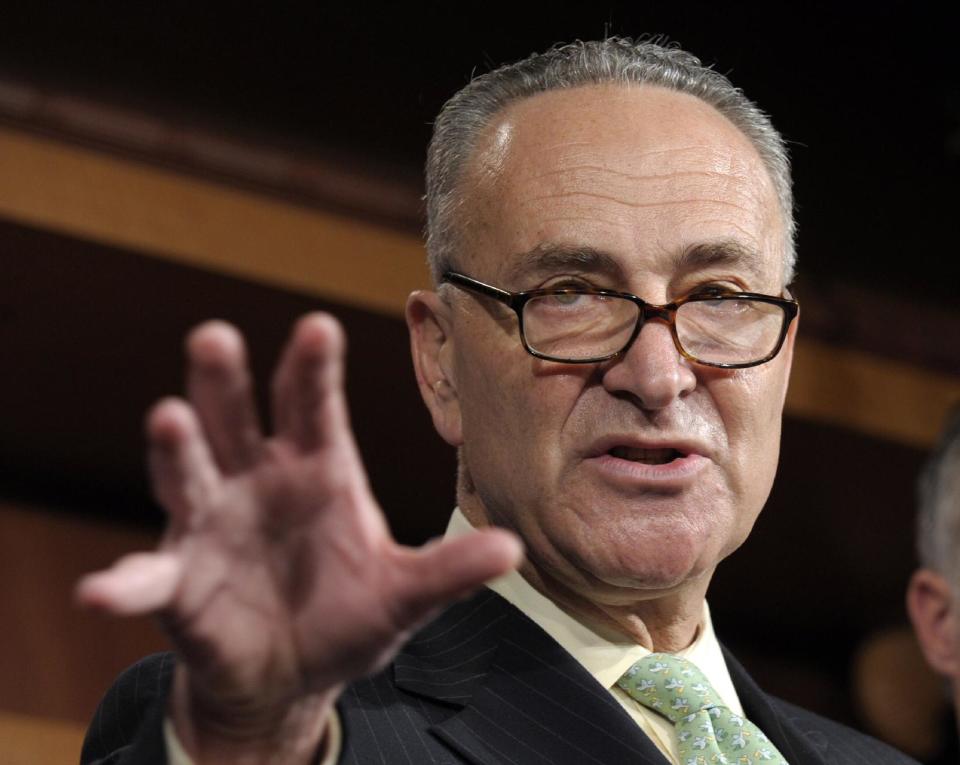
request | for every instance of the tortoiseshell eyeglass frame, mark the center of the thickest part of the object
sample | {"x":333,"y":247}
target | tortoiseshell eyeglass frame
{"x":646,"y":311}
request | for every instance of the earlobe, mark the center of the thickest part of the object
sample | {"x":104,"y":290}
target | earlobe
{"x":930,"y":604}
{"x":431,"y":345}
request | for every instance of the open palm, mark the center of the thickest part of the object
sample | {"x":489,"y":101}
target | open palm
{"x":277,"y":578}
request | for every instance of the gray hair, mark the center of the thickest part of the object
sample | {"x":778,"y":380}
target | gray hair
{"x":938,"y":517}
{"x":614,"y":60}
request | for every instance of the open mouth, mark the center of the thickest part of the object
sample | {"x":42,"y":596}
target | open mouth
{"x":646,"y":456}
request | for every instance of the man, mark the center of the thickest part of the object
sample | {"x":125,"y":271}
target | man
{"x":932,"y":593}
{"x":610,"y":231}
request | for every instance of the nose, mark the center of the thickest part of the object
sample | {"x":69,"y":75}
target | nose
{"x":652,"y":369}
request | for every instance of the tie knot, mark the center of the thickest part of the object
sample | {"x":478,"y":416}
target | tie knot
{"x":670,"y":686}
{"x":707,"y":730}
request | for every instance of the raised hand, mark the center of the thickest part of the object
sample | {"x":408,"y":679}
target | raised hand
{"x":277,"y":578}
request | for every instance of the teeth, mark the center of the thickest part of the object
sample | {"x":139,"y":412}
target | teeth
{"x":648,"y":456}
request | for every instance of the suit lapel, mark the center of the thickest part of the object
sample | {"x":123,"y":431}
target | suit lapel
{"x":798,"y":747}
{"x":521,"y":697}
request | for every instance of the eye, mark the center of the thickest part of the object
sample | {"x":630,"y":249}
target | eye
{"x":729,"y":307}
{"x":567,"y":298}
{"x":567,"y":302}
{"x":715,"y":288}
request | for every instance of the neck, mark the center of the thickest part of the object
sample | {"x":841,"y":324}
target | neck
{"x":665,"y":623}
{"x":661,"y":621}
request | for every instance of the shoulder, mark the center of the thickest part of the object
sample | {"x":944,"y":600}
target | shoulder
{"x":821,"y":740}
{"x":844,"y":744}
{"x":127,"y":726}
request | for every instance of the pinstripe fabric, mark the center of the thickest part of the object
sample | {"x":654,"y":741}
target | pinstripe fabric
{"x":128,"y":725}
{"x":802,"y":736}
{"x":482,"y":685}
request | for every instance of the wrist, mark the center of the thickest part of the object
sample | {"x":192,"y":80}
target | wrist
{"x":250,"y":733}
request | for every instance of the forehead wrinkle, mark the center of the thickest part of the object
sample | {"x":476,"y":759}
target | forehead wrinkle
{"x":637,"y":205}
{"x":601,"y":183}
{"x":748,"y":234}
{"x":690,"y":160}
{"x":600,"y":170}
{"x":592,"y":218}
{"x":642,"y":154}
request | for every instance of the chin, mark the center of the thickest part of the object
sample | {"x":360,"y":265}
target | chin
{"x":657,"y":579}
{"x":620,"y":575}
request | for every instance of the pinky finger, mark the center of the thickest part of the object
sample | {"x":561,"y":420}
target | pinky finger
{"x":139,"y":583}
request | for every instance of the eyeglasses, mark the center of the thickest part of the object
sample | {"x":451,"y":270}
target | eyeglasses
{"x":577,"y":325}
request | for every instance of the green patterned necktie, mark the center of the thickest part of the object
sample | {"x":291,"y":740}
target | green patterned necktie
{"x":708,"y":733}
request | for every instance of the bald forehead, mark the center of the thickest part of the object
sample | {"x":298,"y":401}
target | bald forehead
{"x":619,"y":149}
{"x":568,"y":123}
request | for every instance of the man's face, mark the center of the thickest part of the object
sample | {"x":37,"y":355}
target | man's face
{"x":637,"y":475}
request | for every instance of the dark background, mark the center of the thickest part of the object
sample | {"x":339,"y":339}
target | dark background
{"x":866,"y":93}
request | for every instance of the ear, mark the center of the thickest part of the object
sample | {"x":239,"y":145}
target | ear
{"x":930,"y":604}
{"x":431,"y":344}
{"x":791,"y":339}
{"x":786,"y":352}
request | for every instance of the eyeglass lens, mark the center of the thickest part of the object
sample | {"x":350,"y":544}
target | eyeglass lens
{"x":571,"y":326}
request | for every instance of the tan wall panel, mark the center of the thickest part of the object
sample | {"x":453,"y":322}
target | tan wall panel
{"x":32,"y":741}
{"x":57,"y":660}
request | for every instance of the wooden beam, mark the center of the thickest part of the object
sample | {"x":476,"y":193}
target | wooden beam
{"x":871,"y":394}
{"x":156,"y":212}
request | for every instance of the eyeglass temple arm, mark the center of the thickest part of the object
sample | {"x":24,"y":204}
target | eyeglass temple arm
{"x":466,"y":282}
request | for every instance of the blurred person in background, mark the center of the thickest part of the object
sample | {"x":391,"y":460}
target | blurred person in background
{"x":933,"y":596}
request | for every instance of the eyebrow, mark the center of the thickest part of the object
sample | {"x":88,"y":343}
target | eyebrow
{"x":550,"y":257}
{"x":706,"y":255}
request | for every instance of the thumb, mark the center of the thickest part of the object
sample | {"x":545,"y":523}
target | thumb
{"x":136,"y":584}
{"x":449,"y":569}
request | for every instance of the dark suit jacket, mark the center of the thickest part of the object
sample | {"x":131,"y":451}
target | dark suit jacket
{"x":481,"y":684}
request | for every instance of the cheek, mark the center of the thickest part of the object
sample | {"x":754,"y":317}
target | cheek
{"x":495,"y":405}
{"x":515,"y":409}
{"x":749,"y":402}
